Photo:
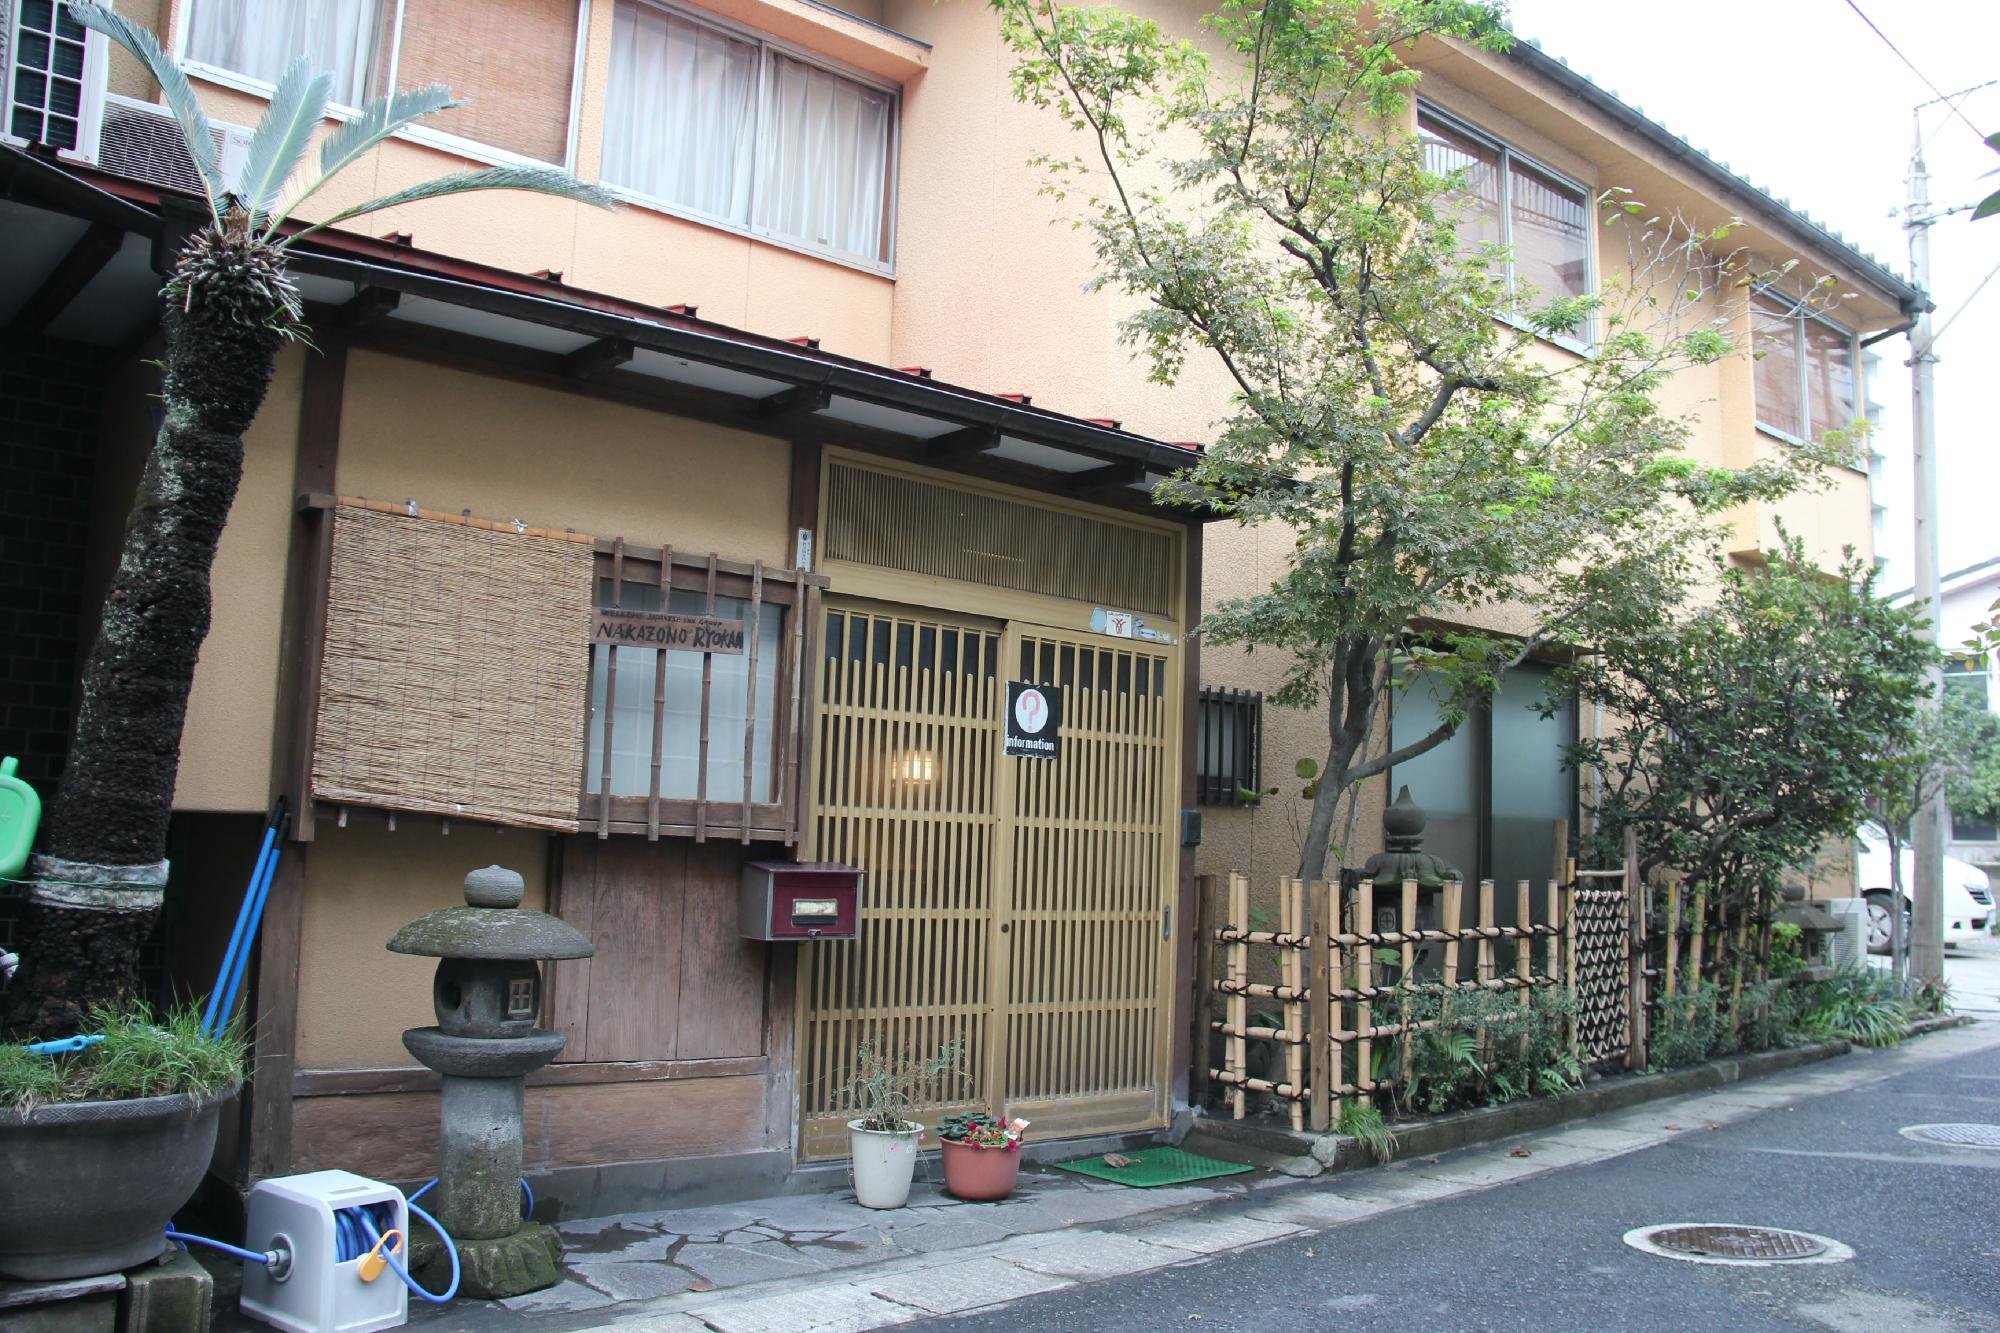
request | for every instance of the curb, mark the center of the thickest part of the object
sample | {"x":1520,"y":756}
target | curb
{"x":1307,"y":1155}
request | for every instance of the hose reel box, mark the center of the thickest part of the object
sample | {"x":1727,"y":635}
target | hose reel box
{"x":319,"y":1291}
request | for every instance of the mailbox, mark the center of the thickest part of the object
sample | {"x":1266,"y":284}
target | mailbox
{"x":800,"y":900}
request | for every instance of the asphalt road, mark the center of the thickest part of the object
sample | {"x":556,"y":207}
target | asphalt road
{"x":1546,"y":1253}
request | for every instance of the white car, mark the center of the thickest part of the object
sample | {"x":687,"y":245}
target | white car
{"x":1968,"y":898}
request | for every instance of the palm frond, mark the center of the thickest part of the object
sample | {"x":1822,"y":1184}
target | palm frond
{"x":297,"y":107}
{"x":535,"y":180}
{"x":174,"y":85}
{"x":369,"y":126}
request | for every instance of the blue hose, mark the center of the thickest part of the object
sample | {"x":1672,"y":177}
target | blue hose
{"x":211,"y":1018}
{"x":189,"y":1238}
{"x":374,"y":1237}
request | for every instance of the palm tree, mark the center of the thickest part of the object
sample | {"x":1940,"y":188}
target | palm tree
{"x":228,"y":308}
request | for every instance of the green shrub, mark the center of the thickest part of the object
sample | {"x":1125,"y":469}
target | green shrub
{"x":1685,"y":1029}
{"x":142,"y":1055}
{"x":1477,"y":1047}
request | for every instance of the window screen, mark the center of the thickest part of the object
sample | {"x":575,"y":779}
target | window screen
{"x":1229,"y":746}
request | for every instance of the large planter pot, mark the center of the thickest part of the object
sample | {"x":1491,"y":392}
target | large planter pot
{"x":884,"y":1163}
{"x":973,"y":1171}
{"x":89,"y":1187}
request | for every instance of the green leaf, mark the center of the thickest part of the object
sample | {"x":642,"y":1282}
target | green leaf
{"x":298,"y":105}
{"x":196,"y":131}
{"x":1306,"y":768}
{"x":534,"y":180}
{"x":369,"y":126}
{"x":1987,"y":206}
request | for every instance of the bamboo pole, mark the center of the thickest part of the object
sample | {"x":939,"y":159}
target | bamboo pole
{"x":1635,"y":899}
{"x":1697,"y":933}
{"x":1452,"y":908}
{"x":1321,"y":922}
{"x":1364,"y":981}
{"x":1239,"y":1005}
{"x":1524,"y":945}
{"x":1292,"y":907}
{"x":1407,"y":982}
{"x":1674,"y":934}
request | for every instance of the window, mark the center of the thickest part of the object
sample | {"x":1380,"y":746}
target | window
{"x":1543,"y":219}
{"x":737,"y":132}
{"x":730,"y":694}
{"x":45,"y":100}
{"x":1495,"y":789}
{"x":1804,"y":378}
{"x":1229,"y":747}
{"x":512,"y":65}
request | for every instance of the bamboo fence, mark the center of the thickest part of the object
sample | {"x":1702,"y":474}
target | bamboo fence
{"x":1326,"y":963}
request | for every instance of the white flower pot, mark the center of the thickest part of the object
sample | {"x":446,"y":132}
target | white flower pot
{"x":884,"y":1163}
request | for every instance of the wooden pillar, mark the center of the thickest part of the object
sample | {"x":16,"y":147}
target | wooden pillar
{"x":1321,"y":921}
{"x":1207,"y":888}
{"x":1190,"y":1022}
{"x":275,"y":997}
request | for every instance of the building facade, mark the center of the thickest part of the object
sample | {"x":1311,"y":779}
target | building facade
{"x":830,"y":375}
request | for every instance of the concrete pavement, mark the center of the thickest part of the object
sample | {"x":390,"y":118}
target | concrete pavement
{"x":1819,"y":1153}
{"x":1075,"y":1255}
{"x":1974,"y":973}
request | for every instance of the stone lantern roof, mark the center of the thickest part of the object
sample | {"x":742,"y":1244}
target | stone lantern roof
{"x":491,"y":926}
{"x":1404,"y":857}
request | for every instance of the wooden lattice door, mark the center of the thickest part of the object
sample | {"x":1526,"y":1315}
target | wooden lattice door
{"x":1018,"y":906}
{"x":1088,"y":863}
{"x":908,"y":736}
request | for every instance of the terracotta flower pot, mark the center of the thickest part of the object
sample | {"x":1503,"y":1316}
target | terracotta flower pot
{"x":975,"y":1172}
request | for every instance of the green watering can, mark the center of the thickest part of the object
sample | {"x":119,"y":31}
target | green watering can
{"x":20,"y":815}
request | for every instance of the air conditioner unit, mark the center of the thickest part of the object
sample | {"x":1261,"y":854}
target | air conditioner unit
{"x":142,"y":140}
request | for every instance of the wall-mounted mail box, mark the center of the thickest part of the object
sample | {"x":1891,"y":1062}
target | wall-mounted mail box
{"x":800,"y":900}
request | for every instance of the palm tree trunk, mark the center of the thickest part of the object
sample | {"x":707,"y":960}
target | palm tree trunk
{"x":99,"y":881}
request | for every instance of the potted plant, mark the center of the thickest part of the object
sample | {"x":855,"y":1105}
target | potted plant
{"x":884,"y":1087}
{"x":982,"y":1154}
{"x":100,"y":1145}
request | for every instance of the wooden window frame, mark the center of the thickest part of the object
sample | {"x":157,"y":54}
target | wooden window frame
{"x":1245,"y":770}
{"x":703,"y":817}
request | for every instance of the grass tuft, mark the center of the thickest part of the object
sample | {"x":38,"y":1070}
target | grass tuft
{"x":142,"y":1055}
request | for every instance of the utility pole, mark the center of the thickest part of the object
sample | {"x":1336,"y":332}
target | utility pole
{"x":1927,"y":826}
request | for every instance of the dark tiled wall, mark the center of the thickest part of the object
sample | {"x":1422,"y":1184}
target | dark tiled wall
{"x":49,"y":398}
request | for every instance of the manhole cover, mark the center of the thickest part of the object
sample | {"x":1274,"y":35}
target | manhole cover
{"x":1729,"y":1243}
{"x":1956,"y":1136}
{"x":1717,"y":1241}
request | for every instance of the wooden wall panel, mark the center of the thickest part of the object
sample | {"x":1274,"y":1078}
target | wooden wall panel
{"x":672,"y":978}
{"x":394,"y":1136}
{"x":722,"y":975}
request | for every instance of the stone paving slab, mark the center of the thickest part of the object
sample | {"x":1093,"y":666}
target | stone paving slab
{"x":632,"y":1281}
{"x":1319,"y":1208}
{"x":840,"y":1309}
{"x":566,"y":1295}
{"x":967,"y":1285}
{"x":660,"y":1323}
{"x":1210,"y":1235}
{"x":733,"y":1265}
{"x":1089,"y":1254}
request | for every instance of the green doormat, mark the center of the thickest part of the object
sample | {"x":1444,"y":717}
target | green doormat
{"x":1148,"y":1167}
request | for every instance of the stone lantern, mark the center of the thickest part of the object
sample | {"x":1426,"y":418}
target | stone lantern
{"x":487,"y":992}
{"x":1403,"y":858}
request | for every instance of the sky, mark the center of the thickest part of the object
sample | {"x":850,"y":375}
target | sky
{"x":1803,"y":100}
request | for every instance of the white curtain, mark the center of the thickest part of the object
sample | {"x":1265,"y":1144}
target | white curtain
{"x":259,"y":38}
{"x":679,"y":113}
{"x":824,"y":175}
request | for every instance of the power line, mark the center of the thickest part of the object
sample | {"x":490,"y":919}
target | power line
{"x":1991,"y":274}
{"x":1939,"y":92}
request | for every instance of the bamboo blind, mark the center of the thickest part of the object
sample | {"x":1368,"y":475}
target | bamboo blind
{"x":453,"y":680}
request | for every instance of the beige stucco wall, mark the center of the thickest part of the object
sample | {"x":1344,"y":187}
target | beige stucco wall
{"x":453,"y":440}
{"x":362,"y":884}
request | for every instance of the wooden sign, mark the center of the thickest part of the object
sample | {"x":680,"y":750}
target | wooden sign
{"x":650,"y":629}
